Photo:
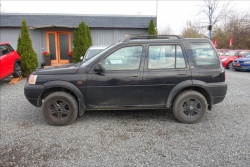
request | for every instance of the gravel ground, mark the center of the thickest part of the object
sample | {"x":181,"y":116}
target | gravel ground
{"x":127,"y":138}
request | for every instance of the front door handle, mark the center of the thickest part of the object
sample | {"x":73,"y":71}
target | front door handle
{"x":134,"y":76}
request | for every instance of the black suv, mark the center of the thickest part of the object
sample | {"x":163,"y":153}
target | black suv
{"x":141,"y":72}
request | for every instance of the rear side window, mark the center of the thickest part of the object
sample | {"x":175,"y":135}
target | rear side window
{"x":204,"y":55}
{"x":165,"y":56}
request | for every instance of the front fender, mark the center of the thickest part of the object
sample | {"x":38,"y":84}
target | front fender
{"x":72,"y":88}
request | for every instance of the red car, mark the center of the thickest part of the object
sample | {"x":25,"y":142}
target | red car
{"x":229,"y":57}
{"x":10,"y":61}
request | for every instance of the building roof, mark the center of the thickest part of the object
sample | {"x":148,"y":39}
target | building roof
{"x":72,"y":21}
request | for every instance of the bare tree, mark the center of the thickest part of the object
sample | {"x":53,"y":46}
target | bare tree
{"x":167,"y":30}
{"x":190,"y":31}
{"x":214,"y":10}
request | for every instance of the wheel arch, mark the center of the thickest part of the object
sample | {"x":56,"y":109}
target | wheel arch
{"x":16,"y":61}
{"x":189,"y":85}
{"x":54,"y":86}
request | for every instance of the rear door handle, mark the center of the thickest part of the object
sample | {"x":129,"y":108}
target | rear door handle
{"x":182,"y":73}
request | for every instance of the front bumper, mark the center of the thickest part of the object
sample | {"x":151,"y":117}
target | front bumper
{"x":33,"y":93}
{"x":241,"y":67}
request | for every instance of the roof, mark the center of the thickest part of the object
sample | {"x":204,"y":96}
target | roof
{"x":72,"y":21}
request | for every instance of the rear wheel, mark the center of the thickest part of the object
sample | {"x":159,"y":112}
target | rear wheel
{"x":17,"y":70}
{"x":60,"y":108}
{"x":190,"y":107}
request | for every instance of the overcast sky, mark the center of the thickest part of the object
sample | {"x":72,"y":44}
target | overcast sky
{"x":169,"y":13}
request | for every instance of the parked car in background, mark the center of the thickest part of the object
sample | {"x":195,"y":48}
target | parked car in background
{"x":242,"y":64}
{"x":92,"y":51}
{"x":10,"y":61}
{"x":222,"y":52}
{"x":229,"y":57}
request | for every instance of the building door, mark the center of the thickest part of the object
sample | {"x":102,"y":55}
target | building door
{"x":58,"y":44}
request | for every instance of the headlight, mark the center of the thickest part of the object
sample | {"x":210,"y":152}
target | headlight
{"x":224,"y":59}
{"x":247,"y":62}
{"x":32,"y":79}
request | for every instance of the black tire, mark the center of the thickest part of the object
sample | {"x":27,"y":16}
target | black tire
{"x":60,"y":108}
{"x":190,"y":107}
{"x":230,"y":65}
{"x":17,"y":70}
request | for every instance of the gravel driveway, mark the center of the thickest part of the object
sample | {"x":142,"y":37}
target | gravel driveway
{"x":127,"y":138}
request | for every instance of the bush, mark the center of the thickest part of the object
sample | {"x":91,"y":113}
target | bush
{"x":82,"y":41}
{"x":26,"y":51}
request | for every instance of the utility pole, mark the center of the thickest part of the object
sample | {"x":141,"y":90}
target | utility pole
{"x":210,"y":26}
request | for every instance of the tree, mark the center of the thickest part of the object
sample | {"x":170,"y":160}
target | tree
{"x":82,"y":41}
{"x":89,"y":36}
{"x":151,"y":28}
{"x":18,"y":43}
{"x":214,"y":10}
{"x":26,"y":51}
{"x":191,"y":32}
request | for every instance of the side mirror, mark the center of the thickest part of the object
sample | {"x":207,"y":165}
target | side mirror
{"x":99,"y":68}
{"x":239,"y":56}
{"x":81,"y":58}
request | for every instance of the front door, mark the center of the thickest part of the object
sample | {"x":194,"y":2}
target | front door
{"x":58,"y":44}
{"x":119,"y":86}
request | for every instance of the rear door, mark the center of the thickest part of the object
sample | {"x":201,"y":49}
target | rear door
{"x":165,"y":67}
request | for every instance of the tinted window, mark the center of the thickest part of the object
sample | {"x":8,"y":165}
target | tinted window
{"x":3,"y":50}
{"x":10,"y":48}
{"x":244,"y":53}
{"x":127,"y":58}
{"x":165,"y":56}
{"x":204,"y":55}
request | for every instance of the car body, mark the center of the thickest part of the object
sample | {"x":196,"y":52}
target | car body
{"x":242,"y":64}
{"x":229,"y":57}
{"x":144,"y":72}
{"x":222,"y":52}
{"x":92,"y":51}
{"x":10,"y":61}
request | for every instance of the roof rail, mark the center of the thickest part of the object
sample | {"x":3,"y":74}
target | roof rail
{"x":134,"y":37}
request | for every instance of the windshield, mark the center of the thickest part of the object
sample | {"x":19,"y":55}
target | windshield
{"x":232,"y":53}
{"x":86,"y":63}
{"x":244,"y":53}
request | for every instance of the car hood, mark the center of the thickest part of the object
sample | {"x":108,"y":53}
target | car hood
{"x":60,"y":69}
{"x":243,"y":59}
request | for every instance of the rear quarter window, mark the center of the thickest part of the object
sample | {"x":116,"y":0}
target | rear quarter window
{"x":204,"y":56}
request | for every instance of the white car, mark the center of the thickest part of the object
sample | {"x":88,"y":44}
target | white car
{"x":92,"y":51}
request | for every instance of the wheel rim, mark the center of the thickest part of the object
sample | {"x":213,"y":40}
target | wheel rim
{"x":59,"y":109}
{"x":230,"y":65}
{"x":18,"y":70}
{"x":191,"y":108}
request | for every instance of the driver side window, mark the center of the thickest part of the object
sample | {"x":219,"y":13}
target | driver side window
{"x":127,"y":58}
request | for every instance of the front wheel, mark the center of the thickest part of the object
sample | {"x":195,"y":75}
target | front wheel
{"x":17,"y":70}
{"x":230,"y":65}
{"x":190,"y":107}
{"x":60,"y":108}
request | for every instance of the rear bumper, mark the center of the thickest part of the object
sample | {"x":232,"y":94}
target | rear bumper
{"x":217,"y":91}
